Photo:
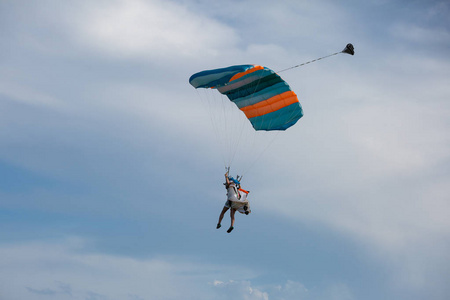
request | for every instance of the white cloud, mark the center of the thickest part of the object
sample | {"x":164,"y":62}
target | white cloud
{"x":151,"y":29}
{"x":67,"y":270}
{"x":240,"y":290}
{"x":245,"y":290}
{"x":290,"y":290}
{"x":38,"y":270}
{"x":401,"y":137}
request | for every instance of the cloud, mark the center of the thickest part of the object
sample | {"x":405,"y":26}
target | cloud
{"x":97,"y":99}
{"x":61,"y":288}
{"x":239,"y":290}
{"x":245,"y":290}
{"x":46,"y":291}
{"x":370,"y":159}
{"x":35,"y":270}
{"x":66,"y":269}
{"x":429,"y":28}
{"x":290,"y":290}
{"x":151,"y":29}
{"x":17,"y":92}
{"x":420,"y":35}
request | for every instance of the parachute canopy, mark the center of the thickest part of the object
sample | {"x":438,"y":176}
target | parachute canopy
{"x":264,"y":97}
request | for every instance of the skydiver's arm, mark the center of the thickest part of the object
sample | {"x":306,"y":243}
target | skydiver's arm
{"x":227,"y":181}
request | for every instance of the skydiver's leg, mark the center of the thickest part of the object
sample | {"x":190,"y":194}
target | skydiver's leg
{"x":232,"y":212}
{"x":224,"y":210}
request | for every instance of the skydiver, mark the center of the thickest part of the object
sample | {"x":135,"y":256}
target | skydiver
{"x":234,"y":201}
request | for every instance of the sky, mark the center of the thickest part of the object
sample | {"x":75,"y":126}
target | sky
{"x":111,"y":179}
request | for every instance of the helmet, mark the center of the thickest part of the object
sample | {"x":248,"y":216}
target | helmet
{"x":234,"y":180}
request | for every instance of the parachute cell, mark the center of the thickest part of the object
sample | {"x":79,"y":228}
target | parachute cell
{"x":265,"y":98}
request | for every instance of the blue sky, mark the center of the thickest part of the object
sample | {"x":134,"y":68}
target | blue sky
{"x":111,"y":179}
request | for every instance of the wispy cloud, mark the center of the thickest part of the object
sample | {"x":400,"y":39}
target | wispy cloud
{"x":61,"y":288}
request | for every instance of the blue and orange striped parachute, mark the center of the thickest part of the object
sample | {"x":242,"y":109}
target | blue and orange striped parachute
{"x":264,"y":97}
